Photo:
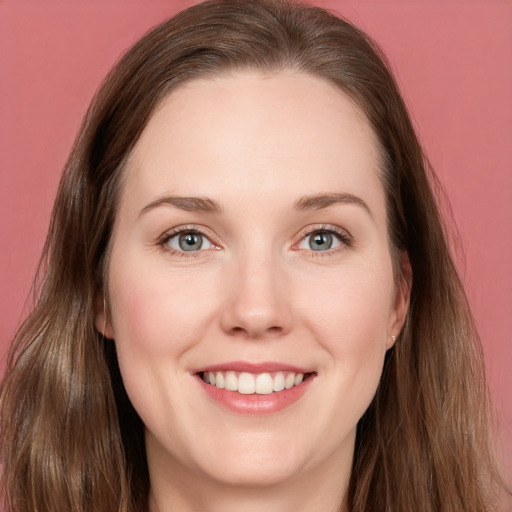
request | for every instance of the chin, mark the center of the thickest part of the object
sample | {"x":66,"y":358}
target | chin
{"x":258,"y":463}
{"x":254,"y":475}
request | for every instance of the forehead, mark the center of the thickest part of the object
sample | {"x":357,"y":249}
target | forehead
{"x":253,"y":133}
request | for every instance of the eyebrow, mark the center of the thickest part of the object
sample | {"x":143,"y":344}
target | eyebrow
{"x":189,"y":204}
{"x":207,"y":205}
{"x":319,"y":201}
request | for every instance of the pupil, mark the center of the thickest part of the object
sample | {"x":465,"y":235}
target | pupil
{"x":190,"y":241}
{"x":321,"y":241}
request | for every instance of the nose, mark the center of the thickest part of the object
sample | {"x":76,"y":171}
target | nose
{"x":257,"y":301}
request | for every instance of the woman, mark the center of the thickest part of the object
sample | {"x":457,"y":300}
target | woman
{"x":248,"y":301}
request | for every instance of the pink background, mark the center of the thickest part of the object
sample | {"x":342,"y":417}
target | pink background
{"x":453,"y":60}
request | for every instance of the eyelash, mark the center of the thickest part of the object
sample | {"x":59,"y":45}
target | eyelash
{"x":346,"y":240}
{"x":343,"y":236}
{"x":169,"y":235}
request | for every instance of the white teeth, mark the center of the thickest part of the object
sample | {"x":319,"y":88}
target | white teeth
{"x":289,"y":381}
{"x":248,"y":383}
{"x":231,"y":381}
{"x":278,"y":382}
{"x":219,"y":380}
{"x":264,"y":384}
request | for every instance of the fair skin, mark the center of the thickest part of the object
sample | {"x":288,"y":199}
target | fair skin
{"x":284,"y":268}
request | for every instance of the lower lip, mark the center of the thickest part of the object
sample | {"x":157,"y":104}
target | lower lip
{"x":255,"y":404}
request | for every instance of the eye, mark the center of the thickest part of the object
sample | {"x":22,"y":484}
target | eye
{"x":188,"y":241}
{"x":321,"y":240}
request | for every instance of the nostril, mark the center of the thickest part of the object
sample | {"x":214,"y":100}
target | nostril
{"x":256,"y":333}
{"x":250,"y":319}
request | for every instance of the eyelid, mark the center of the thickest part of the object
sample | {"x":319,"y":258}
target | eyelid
{"x":345,"y":238}
{"x":173,"y":232}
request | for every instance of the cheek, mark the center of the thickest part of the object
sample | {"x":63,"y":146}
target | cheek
{"x":155,"y":312}
{"x":157,"y":316}
{"x":350,"y":320}
{"x":351,"y":308}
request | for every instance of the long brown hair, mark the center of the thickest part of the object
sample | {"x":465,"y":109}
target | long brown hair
{"x":70,"y":439}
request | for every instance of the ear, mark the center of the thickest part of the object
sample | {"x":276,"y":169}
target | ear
{"x":401,"y":301}
{"x":102,"y":317}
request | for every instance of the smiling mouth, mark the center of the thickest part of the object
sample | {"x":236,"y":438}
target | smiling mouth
{"x":247,"y":383}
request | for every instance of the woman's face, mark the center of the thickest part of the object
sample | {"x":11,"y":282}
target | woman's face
{"x":250,"y":247}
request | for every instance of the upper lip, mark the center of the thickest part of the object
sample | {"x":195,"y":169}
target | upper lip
{"x":246,"y":366}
